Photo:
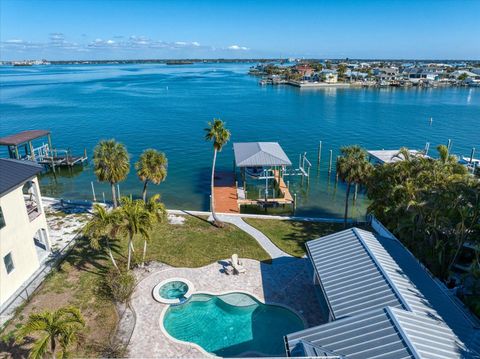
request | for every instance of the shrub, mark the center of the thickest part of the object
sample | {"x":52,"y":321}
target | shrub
{"x":119,"y":286}
{"x":114,"y":350}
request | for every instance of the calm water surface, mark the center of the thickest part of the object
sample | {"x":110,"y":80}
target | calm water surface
{"x":167,"y":107}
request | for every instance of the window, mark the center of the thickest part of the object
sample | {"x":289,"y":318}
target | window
{"x":2,"y":219}
{"x":8,"y":262}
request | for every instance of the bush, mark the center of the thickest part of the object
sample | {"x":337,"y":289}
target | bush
{"x":114,"y":350}
{"x":119,"y":286}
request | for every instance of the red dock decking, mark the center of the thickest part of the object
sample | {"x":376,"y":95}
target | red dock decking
{"x":226,"y":199}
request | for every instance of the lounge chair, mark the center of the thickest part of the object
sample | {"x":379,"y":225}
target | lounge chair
{"x":236,"y":265}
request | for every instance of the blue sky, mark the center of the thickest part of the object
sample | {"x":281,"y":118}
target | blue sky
{"x":128,"y":29}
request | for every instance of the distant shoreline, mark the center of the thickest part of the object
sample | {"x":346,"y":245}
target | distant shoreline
{"x":318,"y":84}
{"x":218,"y":60}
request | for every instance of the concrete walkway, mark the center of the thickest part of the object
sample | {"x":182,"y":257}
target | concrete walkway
{"x":262,"y":239}
{"x":237,"y":220}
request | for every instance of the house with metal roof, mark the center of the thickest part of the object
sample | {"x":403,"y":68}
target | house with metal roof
{"x":391,"y":156}
{"x":381,"y":303}
{"x":24,"y":239}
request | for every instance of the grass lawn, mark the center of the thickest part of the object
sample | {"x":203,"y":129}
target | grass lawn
{"x":290,"y":236}
{"x":78,"y":280}
{"x":197,"y":243}
{"x":74,"y":282}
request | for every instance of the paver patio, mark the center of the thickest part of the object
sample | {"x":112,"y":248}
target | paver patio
{"x":288,"y":281}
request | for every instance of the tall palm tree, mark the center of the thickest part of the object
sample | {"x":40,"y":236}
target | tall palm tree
{"x":151,"y":167}
{"x":55,"y":328}
{"x":111,"y":164}
{"x":158,"y":212}
{"x":216,"y":132}
{"x":103,"y":226}
{"x":352,"y":168}
{"x":136,"y":219}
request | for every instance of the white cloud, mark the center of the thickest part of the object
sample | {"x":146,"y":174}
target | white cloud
{"x":57,"y":41}
{"x":14,"y":41}
{"x":237,"y":48}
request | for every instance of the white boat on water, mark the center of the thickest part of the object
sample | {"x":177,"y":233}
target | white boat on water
{"x":466,"y":160}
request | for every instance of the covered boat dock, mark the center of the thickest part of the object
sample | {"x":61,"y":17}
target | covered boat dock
{"x":262,"y":161}
{"x":20,"y":147}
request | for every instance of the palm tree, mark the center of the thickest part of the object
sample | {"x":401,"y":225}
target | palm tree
{"x":352,"y":168}
{"x":112,"y":163}
{"x":151,"y":167}
{"x":217,"y":133}
{"x":158,"y":213}
{"x":103,"y":226}
{"x":55,"y":328}
{"x":136,"y":219}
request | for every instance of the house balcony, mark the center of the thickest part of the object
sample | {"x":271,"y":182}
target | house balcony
{"x":33,"y":210}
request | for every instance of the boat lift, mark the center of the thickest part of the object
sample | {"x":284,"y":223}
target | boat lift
{"x":20,"y":147}
{"x":267,"y":161}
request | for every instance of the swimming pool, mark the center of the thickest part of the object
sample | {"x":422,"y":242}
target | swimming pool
{"x":232,"y":324}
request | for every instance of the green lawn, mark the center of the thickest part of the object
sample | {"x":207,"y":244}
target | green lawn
{"x":290,"y":236}
{"x":75,"y":282}
{"x":78,"y":280}
{"x":197,"y":243}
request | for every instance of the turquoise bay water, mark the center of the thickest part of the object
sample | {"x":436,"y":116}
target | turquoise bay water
{"x":167,"y":107}
{"x":232,"y":324}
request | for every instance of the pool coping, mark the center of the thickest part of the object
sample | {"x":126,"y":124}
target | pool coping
{"x":209,"y":354}
{"x":156,"y":295}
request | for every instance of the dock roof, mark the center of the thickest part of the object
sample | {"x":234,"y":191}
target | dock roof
{"x":15,"y":172}
{"x":258,"y":154}
{"x":22,"y":137}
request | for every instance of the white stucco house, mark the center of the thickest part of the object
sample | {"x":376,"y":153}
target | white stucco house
{"x":24,"y":238}
{"x":329,"y":76}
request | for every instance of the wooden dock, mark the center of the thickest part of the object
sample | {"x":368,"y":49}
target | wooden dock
{"x":20,"y":147}
{"x":287,"y":196}
{"x":226,"y":195}
{"x":226,"y":198}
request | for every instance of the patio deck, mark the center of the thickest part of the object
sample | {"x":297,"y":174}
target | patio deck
{"x":287,"y":281}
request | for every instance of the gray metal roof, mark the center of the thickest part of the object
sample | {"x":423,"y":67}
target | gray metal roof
{"x":389,"y":156}
{"x":428,"y":295}
{"x":387,"y":333}
{"x":309,"y":350}
{"x":351,"y":277}
{"x":258,"y":154}
{"x":370,"y":335}
{"x":14,"y":173}
{"x":361,"y":272}
{"x":428,"y":337}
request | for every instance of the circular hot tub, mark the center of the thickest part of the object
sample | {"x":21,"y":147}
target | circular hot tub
{"x":173,"y":291}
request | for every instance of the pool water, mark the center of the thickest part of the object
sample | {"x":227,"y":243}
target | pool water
{"x":173,"y":290}
{"x":232,"y":324}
